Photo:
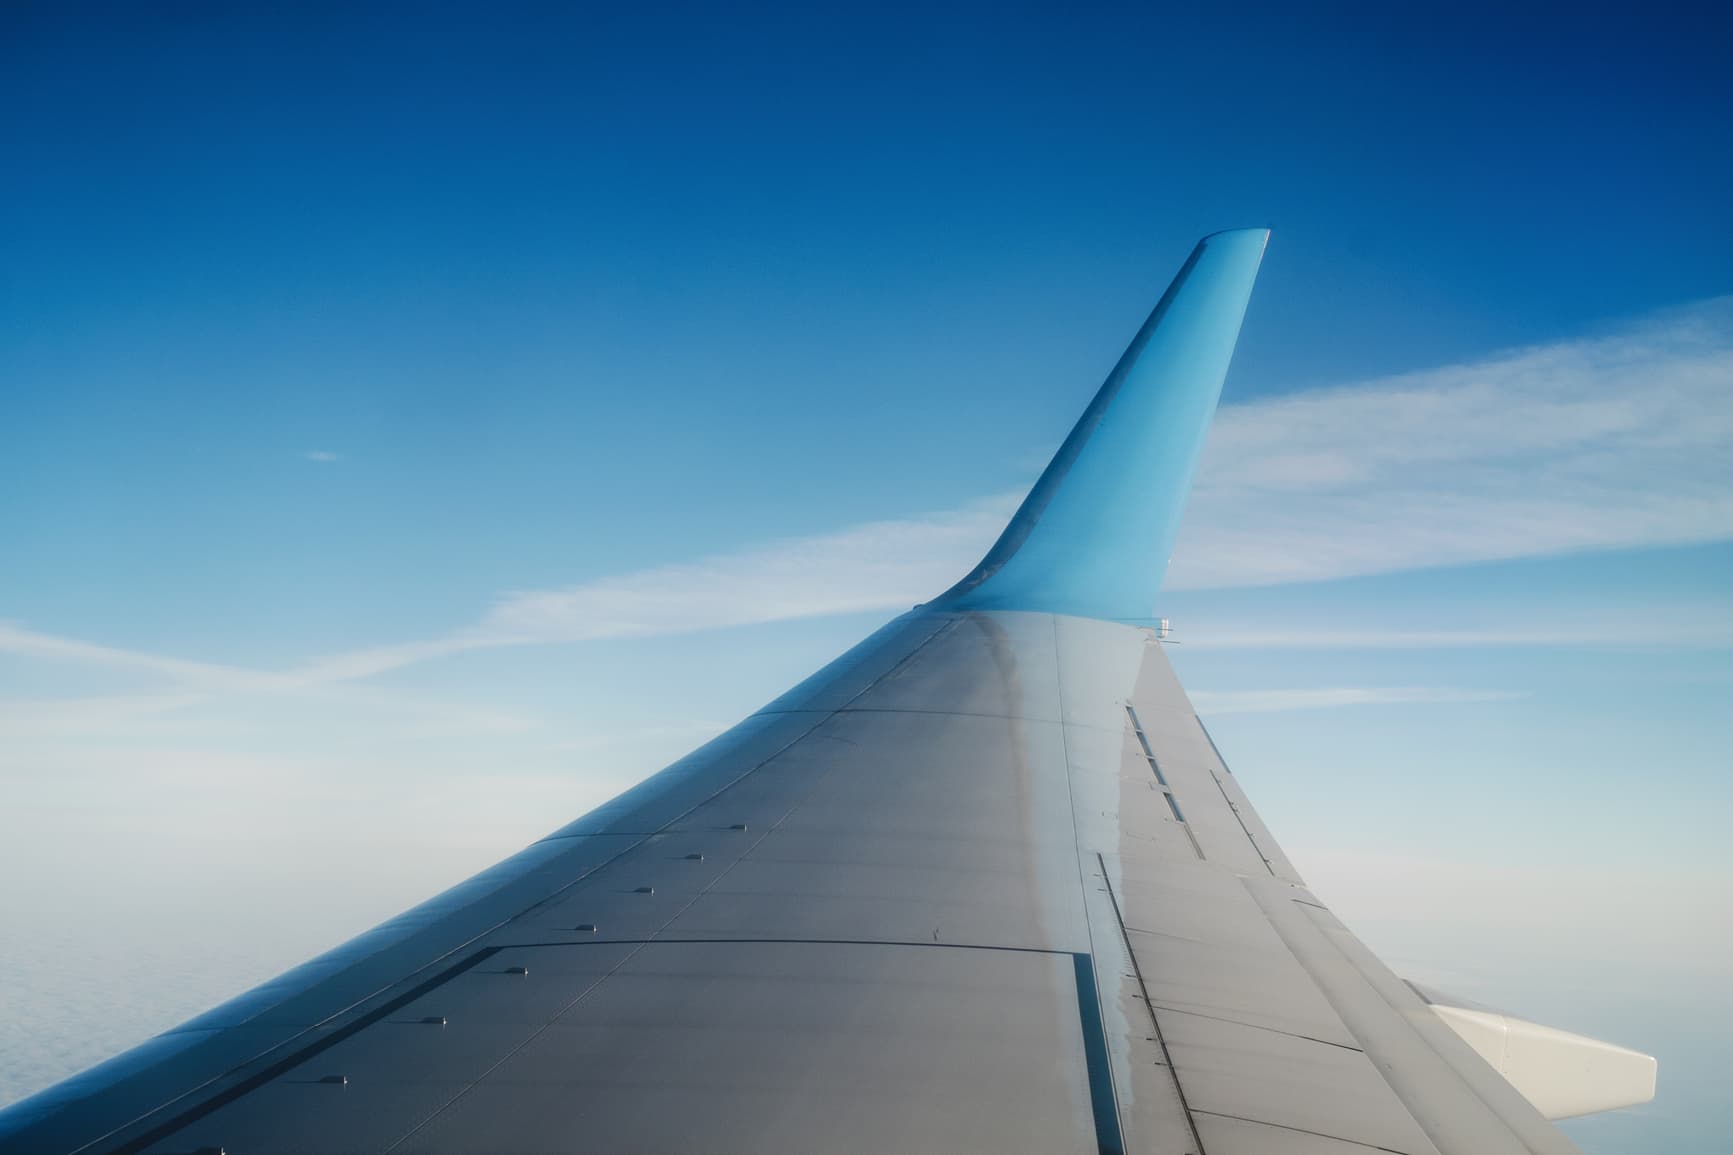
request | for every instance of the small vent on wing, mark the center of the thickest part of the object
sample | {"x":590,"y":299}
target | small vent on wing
{"x":1161,"y":779}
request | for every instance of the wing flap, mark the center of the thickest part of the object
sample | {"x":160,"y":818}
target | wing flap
{"x":1462,"y":1106}
{"x":725,"y":1047}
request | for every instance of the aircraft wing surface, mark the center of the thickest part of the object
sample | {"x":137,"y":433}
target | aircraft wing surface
{"x":984,"y":884}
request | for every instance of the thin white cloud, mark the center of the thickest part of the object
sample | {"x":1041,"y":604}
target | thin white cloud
{"x":51,"y":717}
{"x":1679,"y":627}
{"x":1271,"y":701}
{"x":198,"y":684}
{"x":878,"y":566}
{"x":1618,"y":440}
{"x":1614,"y":441}
{"x":16,"y":639}
{"x":322,"y":456}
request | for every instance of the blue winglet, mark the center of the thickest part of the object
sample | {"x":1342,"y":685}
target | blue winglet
{"x":1093,"y":537}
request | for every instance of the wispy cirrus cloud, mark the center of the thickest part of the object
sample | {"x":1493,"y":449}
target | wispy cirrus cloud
{"x":1705,"y":626}
{"x":877,"y":566}
{"x":1332,"y":697}
{"x":1619,"y":440}
{"x":1613,"y":441}
{"x":16,"y":639}
{"x":322,"y":456}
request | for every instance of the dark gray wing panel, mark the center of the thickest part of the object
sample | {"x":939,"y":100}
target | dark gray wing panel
{"x":983,"y":885}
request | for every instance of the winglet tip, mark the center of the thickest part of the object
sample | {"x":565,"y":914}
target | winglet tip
{"x":1092,"y":537}
{"x":1258,"y":234}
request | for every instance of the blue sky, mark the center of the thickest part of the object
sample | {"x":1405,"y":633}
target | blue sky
{"x":415,"y":426}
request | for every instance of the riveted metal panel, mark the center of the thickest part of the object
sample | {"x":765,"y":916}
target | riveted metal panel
{"x":768,"y":1048}
{"x":971,"y":821}
{"x":992,"y":664}
{"x":1200,"y":777}
{"x":1250,"y":1073}
{"x":1461,"y":1106}
{"x":1224,"y":1135}
{"x":840,"y":682}
{"x":306,"y":1117}
{"x":1119,"y":801}
{"x":666,"y":796}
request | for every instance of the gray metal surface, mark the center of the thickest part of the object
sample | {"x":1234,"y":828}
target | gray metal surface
{"x":984,"y":885}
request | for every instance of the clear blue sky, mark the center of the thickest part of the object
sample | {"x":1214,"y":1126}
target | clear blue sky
{"x":360,"y":371}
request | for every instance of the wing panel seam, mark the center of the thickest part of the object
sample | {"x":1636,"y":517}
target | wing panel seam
{"x":1304,"y":1131}
{"x":259,"y":1078}
{"x":1149,"y":1004}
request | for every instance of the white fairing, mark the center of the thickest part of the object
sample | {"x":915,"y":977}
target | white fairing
{"x":1561,"y":1073}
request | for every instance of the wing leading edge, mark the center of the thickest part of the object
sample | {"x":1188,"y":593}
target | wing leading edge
{"x":982,"y":884}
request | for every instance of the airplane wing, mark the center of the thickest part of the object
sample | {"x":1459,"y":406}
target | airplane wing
{"x":983,"y":884}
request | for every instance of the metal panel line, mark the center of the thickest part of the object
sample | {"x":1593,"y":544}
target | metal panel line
{"x":1154,"y":1022}
{"x":1102,"y":1101}
{"x":282,"y":1066}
